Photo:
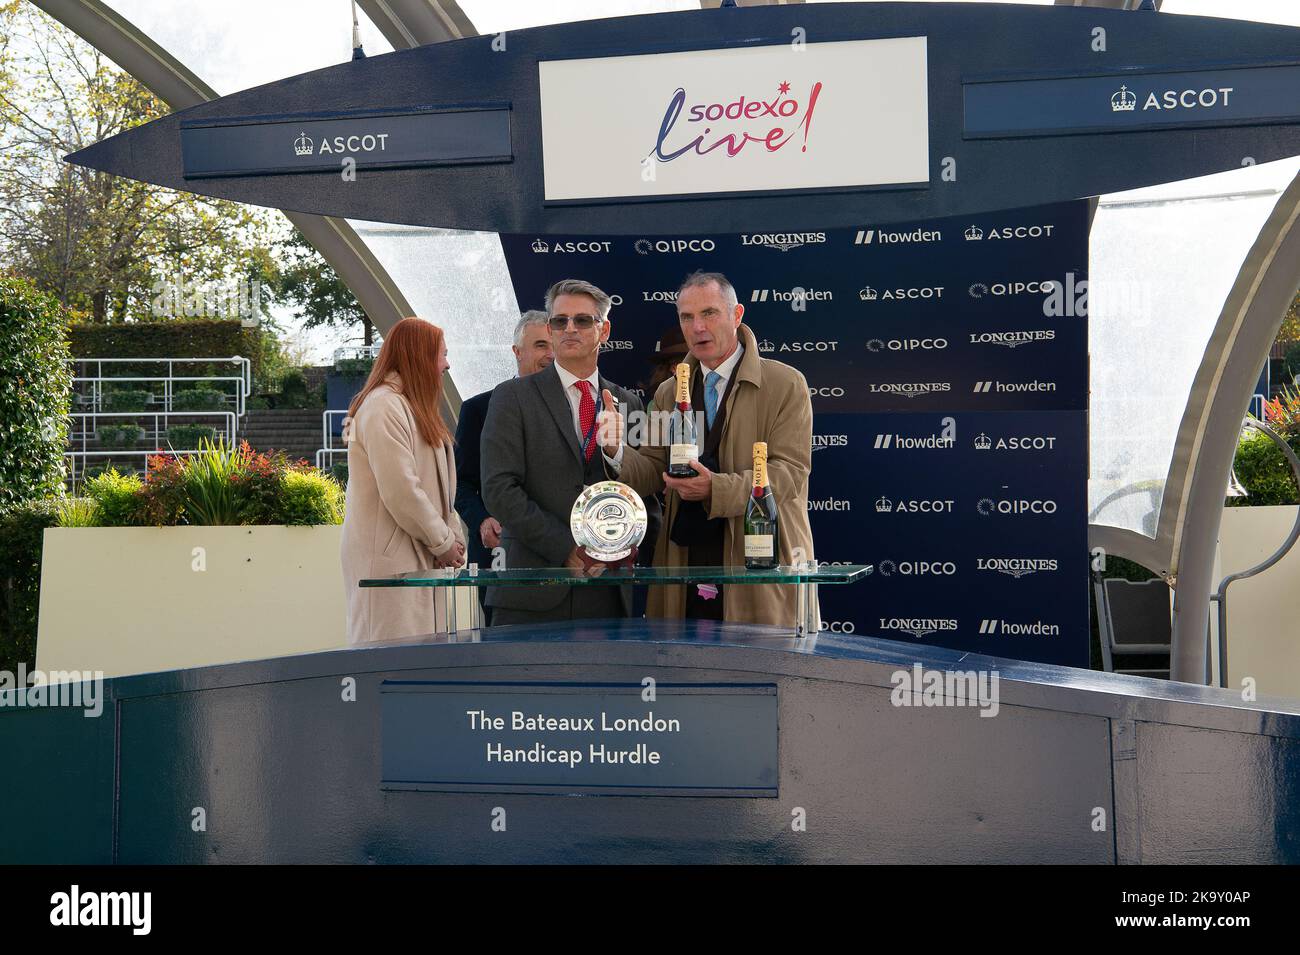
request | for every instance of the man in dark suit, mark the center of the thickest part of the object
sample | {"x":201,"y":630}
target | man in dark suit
{"x":541,"y":446}
{"x":532,"y":349}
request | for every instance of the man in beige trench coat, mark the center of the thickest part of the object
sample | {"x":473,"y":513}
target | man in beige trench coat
{"x":757,"y":399}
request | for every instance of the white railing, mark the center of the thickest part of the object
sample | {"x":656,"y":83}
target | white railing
{"x":244,"y":375}
{"x":348,"y":352}
{"x":1256,"y":407}
{"x":156,"y":437}
{"x":325,"y":455}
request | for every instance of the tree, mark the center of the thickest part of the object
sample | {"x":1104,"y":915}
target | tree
{"x":308,"y":283}
{"x":102,"y":245}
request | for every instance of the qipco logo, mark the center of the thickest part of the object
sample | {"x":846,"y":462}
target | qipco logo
{"x":838,"y":626}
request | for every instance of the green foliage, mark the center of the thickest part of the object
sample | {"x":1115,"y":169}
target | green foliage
{"x":187,"y":437}
{"x":116,"y":496}
{"x":199,"y":399}
{"x":310,"y":497}
{"x":353,"y":367}
{"x":293,"y":390}
{"x":123,"y":435}
{"x":22,"y":531}
{"x":308,"y":283}
{"x":339,"y":472}
{"x":1264,"y":471}
{"x":209,"y":492}
{"x":125,"y":400}
{"x":35,"y":393}
{"x":77,"y":512}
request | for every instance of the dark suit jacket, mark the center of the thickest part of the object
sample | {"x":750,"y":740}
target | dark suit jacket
{"x":533,"y":471}
{"x":469,"y":485}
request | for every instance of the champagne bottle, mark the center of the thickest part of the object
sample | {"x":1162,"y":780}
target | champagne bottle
{"x":684,"y":445}
{"x":762,"y":533}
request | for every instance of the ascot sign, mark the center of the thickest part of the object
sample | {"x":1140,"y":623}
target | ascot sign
{"x":825,"y":115}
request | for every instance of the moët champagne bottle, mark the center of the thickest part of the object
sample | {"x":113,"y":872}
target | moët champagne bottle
{"x":762,"y":531}
{"x":683,"y":441}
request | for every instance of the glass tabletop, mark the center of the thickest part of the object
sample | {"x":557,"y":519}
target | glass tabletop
{"x":535,"y":576}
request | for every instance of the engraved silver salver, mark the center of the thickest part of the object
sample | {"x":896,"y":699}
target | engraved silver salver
{"x":608,"y":520}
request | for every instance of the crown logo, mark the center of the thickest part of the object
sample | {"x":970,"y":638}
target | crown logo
{"x":982,"y":442}
{"x":974,"y":234}
{"x":884,"y":505}
{"x":867,"y":294}
{"x":303,"y":145}
{"x":1123,"y":101}
{"x":540,"y":246}
{"x":766,"y":345}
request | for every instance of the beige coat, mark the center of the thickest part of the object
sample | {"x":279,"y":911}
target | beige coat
{"x":399,"y":515}
{"x":767,"y":402}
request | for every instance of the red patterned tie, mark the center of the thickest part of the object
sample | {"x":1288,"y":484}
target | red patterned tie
{"x":586,"y":414}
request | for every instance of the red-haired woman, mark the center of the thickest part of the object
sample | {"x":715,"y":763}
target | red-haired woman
{"x":401,"y":485}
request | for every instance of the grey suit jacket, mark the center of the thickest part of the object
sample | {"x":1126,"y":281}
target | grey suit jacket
{"x":533,"y":471}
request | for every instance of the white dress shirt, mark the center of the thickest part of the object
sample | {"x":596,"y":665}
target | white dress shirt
{"x":568,"y":379}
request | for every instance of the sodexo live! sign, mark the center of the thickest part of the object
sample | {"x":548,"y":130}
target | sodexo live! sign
{"x":946,"y":361}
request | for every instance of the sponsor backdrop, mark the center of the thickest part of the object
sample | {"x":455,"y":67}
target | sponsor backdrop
{"x":947,"y":364}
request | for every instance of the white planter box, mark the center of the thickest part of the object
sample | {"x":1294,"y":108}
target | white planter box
{"x":131,"y":599}
{"x":1263,"y":611}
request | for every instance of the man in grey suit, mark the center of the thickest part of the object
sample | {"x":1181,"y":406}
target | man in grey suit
{"x":541,"y":446}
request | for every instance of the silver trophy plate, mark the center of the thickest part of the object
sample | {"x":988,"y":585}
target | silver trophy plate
{"x":608,"y":520}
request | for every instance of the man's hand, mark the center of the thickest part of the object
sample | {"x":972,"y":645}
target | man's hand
{"x":489,"y":532}
{"x":698,"y":488}
{"x":610,"y":426}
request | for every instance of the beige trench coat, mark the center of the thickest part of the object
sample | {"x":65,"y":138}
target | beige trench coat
{"x":767,"y":402}
{"x":399,"y":515}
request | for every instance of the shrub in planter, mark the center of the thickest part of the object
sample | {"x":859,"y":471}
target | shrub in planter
{"x":339,"y":472}
{"x":353,"y":367}
{"x":188,"y":437}
{"x":128,"y":399}
{"x":77,"y":512}
{"x":293,"y":391}
{"x":199,"y":399}
{"x":117,"y":498}
{"x":309,"y":497}
{"x":1264,"y":471}
{"x":119,"y":436}
{"x":35,"y":393}
{"x":22,"y":530}
{"x":210,"y":493}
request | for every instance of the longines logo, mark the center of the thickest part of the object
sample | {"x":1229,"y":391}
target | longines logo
{"x":999,"y":289}
{"x":976,"y":234}
{"x":906,"y":344}
{"x":767,"y":346}
{"x":881,"y":237}
{"x":783,"y":241}
{"x":1016,"y":567}
{"x":791,"y":295}
{"x":996,"y":627}
{"x":885,"y":505}
{"x":820,"y":442}
{"x":916,"y":568}
{"x":350,"y":145}
{"x":541,"y":245}
{"x":918,"y":626}
{"x":1024,"y":442}
{"x":1015,"y":387}
{"x":649,"y":246}
{"x":869,"y":294}
{"x":904,"y":442}
{"x":664,"y":296}
{"x":1013,"y":339}
{"x":1125,"y":101}
{"x":830,"y":504}
{"x":909,"y":389}
{"x":987,"y":506}
{"x":615,"y":344}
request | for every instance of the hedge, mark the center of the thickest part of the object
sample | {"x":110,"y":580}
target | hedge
{"x":22,"y":533}
{"x":35,"y":392}
{"x":175,"y":339}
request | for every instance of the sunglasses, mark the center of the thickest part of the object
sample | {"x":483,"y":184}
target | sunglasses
{"x":559,"y":323}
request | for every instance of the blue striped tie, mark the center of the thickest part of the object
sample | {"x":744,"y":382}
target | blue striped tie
{"x":711,"y":396}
